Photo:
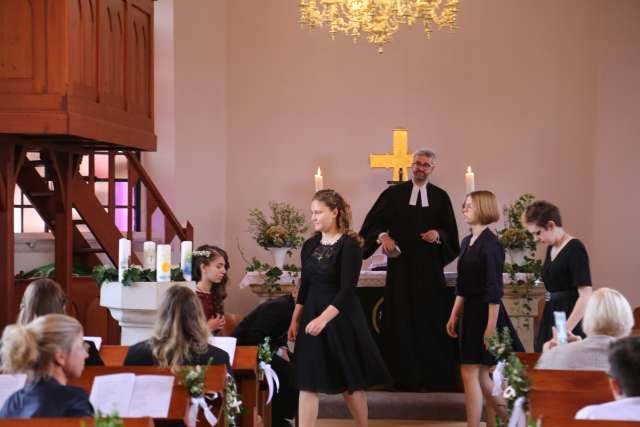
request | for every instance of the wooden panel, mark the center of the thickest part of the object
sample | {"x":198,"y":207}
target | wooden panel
{"x":564,"y":403}
{"x":139,"y":61}
{"x":83,"y":39}
{"x":112,"y":53}
{"x":571,"y":422}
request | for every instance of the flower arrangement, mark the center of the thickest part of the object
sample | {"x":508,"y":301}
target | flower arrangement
{"x":232,"y":403}
{"x":264,"y":351}
{"x":514,"y":235}
{"x":102,"y":420}
{"x":285,"y":228}
{"x":134,"y":273}
{"x":271,"y":275}
{"x":193,"y":379}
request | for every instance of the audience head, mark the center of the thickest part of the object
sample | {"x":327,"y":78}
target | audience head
{"x":180,"y":329}
{"x":624,"y":371}
{"x":542,"y":219}
{"x":50,"y":346}
{"x":211,"y":264}
{"x":42,"y":296}
{"x":330,"y":212}
{"x":607,"y":313}
{"x":424,"y":161}
{"x":480,"y":208}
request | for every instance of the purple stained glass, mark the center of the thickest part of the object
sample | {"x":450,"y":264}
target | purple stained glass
{"x":121,"y":193}
{"x":121,"y":219}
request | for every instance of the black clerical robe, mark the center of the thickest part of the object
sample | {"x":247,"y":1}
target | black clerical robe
{"x":417,"y":303}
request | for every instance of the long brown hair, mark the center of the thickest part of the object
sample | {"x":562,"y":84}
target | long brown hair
{"x":333,"y":200}
{"x":218,"y":290}
{"x":180,"y":330}
{"x":42,"y":296}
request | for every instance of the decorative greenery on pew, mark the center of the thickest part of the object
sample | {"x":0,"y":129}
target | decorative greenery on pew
{"x":515,"y":375}
{"x":101,"y":420}
{"x":193,"y":379}
{"x":264,"y":351}
{"x":232,"y":403}
{"x":134,"y":273}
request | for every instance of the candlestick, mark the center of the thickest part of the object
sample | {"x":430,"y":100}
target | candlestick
{"x":163,"y":263}
{"x":149,"y":255}
{"x":186,"y":248}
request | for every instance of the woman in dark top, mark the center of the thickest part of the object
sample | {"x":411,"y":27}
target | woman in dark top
{"x":45,"y":296}
{"x":210,"y":267}
{"x":50,"y":350}
{"x":180,"y":335}
{"x":565,"y":272}
{"x":334,"y":351}
{"x":478,"y":303}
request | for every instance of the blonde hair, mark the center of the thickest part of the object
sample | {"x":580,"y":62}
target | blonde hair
{"x":180,"y":330}
{"x":485,"y":206}
{"x":30,"y":348}
{"x":608,"y":313}
{"x":42,"y":296}
{"x":333,"y":200}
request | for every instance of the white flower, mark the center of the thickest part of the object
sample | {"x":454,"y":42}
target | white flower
{"x":509,"y":393}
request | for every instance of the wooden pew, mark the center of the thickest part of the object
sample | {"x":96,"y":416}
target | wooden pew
{"x":529,"y":360}
{"x":215,"y":381}
{"x":245,"y":371}
{"x":70,"y":422}
{"x":568,"y":380}
{"x":113,"y":355}
{"x":570,"y":422}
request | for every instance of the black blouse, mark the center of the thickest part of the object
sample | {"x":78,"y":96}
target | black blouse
{"x":569,"y":270}
{"x":480,"y":268}
{"x":140,"y":354}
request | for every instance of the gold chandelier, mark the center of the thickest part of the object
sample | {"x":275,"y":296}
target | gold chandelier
{"x":379,"y":19}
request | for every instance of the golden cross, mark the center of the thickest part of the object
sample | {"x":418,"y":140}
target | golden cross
{"x":401,"y":158}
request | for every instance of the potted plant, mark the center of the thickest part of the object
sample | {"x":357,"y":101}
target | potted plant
{"x":280,"y":233}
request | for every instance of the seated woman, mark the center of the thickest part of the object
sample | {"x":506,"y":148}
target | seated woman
{"x":45,"y":296}
{"x":50,"y":350}
{"x":210,"y":267}
{"x":180,"y":335}
{"x":607,"y":317}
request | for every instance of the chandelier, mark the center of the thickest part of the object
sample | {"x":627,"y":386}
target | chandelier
{"x":378,"y":19}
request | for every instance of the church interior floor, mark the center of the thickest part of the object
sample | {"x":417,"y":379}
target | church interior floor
{"x":326,"y":422}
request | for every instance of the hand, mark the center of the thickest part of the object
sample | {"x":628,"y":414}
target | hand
{"x":215,"y":323}
{"x":451,"y":326}
{"x":487,"y":333}
{"x":554,"y":341}
{"x":315,"y":326}
{"x":293,"y":331}
{"x":430,"y":236}
{"x":388,"y":244}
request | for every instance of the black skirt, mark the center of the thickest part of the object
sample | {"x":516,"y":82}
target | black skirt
{"x":559,"y":301}
{"x":471,"y":332}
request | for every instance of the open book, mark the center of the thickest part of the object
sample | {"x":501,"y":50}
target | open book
{"x":132,"y":395}
{"x":9,"y":384}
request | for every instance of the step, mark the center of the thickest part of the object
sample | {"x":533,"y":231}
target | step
{"x":400,"y":406}
{"x":82,"y":251}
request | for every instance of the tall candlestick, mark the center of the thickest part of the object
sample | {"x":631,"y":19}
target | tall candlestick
{"x":124,"y":253}
{"x":470,"y":180}
{"x":149,"y":256}
{"x":186,"y":248}
{"x":319,"y":180}
{"x":163,"y":263}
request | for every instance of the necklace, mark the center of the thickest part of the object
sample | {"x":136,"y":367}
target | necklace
{"x":332,"y":240}
{"x":199,"y":289}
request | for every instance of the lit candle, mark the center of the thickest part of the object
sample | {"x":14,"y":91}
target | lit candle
{"x":470,"y":180}
{"x":186,"y":248}
{"x":149,"y":257}
{"x":163,"y":263}
{"x":319,"y":180}
{"x":124,"y":253}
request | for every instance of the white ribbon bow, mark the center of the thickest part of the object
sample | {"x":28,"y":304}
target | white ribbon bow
{"x":200,"y":402}
{"x":498,"y":378}
{"x":518,"y":417}
{"x":271,"y":377}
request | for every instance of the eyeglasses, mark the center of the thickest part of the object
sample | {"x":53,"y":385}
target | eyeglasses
{"x":422,"y":165}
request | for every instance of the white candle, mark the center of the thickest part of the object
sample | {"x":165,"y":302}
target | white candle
{"x":163,"y":263}
{"x":186,"y":249}
{"x":319,"y":180}
{"x":149,"y":256}
{"x":124,"y":253}
{"x":470,"y":180}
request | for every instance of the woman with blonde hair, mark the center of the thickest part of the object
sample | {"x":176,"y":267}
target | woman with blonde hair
{"x":334,"y":352}
{"x":180,"y":335}
{"x":607,"y":317}
{"x":478,"y":305}
{"x":50,"y":350}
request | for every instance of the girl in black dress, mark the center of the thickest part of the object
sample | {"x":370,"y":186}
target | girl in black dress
{"x":478,"y":304}
{"x":565,"y":272}
{"x":334,"y":350}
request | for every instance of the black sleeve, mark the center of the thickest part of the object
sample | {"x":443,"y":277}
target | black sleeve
{"x":350,"y":265}
{"x":220,"y":357}
{"x":493,"y":255}
{"x":94,"y":358}
{"x":139,"y":355}
{"x":448,"y":232}
{"x":305,"y":253}
{"x":79,"y":405}
{"x":579,"y":267}
{"x":377,"y":221}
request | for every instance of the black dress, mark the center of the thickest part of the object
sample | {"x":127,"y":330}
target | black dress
{"x":47,"y":398}
{"x":343,"y":357}
{"x":562,"y":277}
{"x":480,"y":269}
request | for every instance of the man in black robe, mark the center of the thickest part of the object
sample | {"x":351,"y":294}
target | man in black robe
{"x":415,"y":224}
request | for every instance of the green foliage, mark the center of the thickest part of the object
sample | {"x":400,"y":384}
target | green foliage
{"x":102,"y":274}
{"x":49,"y":271}
{"x":101,"y":420}
{"x":264,"y":351}
{"x":285,"y":228}
{"x":176,"y":275}
{"x":133,"y":274}
{"x":193,"y":379}
{"x":271,"y":275}
{"x":232,"y":403}
{"x":514,"y":235}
